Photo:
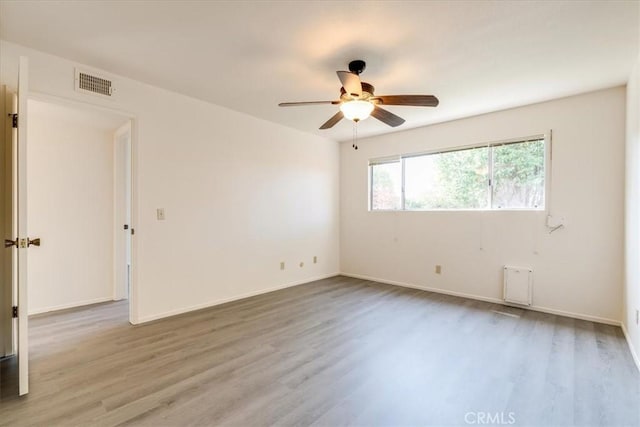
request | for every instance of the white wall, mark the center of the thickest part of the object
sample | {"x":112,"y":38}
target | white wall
{"x":632,"y":219}
{"x":577,"y":269}
{"x":70,"y":199}
{"x":240,"y":194}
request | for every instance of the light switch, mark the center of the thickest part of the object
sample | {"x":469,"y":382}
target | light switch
{"x":160,"y":214}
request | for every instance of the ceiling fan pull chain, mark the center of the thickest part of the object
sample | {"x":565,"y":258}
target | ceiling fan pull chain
{"x":355,"y":136}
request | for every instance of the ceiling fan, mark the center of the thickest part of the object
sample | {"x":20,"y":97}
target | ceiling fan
{"x":357,"y":100}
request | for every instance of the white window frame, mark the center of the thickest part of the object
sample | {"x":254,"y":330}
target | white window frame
{"x":546,"y":137}
{"x":383,"y":161}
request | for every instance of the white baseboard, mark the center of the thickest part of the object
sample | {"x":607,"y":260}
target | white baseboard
{"x":634,"y":354}
{"x":70,"y":305}
{"x":170,"y":313}
{"x":488,"y":299}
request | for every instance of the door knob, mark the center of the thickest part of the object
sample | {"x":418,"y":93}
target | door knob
{"x":34,"y":242}
{"x":8,"y":243}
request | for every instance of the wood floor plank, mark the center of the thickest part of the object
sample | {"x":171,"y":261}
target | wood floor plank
{"x":334,"y":352}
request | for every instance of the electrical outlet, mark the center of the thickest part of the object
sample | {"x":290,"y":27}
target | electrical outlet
{"x":315,"y":259}
{"x":438,"y":269}
{"x":282,"y":265}
{"x":160,"y":214}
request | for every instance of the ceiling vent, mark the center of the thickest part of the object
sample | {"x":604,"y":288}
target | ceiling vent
{"x":89,"y":82}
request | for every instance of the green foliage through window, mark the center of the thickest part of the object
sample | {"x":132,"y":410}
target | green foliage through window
{"x":386,"y":183}
{"x":507,"y":176}
{"x":518,"y":175}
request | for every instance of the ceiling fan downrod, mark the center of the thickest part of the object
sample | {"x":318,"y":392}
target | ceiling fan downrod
{"x":357,"y":66}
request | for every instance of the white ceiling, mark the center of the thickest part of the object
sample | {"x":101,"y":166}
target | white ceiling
{"x":476,"y":56}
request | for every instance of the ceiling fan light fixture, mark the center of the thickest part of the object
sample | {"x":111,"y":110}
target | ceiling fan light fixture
{"x":356,"y":110}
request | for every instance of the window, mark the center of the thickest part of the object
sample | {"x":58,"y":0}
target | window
{"x":386,"y":185}
{"x":451,"y":180}
{"x":518,"y":175}
{"x":507,"y":175}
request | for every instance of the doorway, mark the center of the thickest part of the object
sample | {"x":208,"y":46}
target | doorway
{"x":81,"y":207}
{"x":79,"y":197}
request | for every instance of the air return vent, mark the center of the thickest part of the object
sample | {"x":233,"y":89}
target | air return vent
{"x":517,"y":285}
{"x":89,"y":82}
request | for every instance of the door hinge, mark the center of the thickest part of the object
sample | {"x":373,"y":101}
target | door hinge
{"x":15,"y":312}
{"x":14,"y":121}
{"x":126,"y":226}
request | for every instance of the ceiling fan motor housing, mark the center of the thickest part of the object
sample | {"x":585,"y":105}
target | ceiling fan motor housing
{"x":357,"y":66}
{"x":367,"y":92}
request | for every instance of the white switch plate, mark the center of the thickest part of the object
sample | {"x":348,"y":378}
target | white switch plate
{"x":160,"y":214}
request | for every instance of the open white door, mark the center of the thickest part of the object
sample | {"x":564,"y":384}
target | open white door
{"x":122,"y":214}
{"x":7,"y":346}
{"x":23,"y":242}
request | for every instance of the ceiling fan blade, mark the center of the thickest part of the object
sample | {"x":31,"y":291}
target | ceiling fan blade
{"x":387,"y":117}
{"x":412,"y":100}
{"x":350,"y":83}
{"x":333,"y":120}
{"x":295,"y":104}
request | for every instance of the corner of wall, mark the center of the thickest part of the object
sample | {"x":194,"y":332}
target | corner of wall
{"x":634,"y":354}
{"x":631,"y":294}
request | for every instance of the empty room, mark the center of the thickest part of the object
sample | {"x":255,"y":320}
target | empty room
{"x":320,"y":213}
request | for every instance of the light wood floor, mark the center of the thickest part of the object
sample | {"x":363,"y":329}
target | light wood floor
{"x":335,"y":352}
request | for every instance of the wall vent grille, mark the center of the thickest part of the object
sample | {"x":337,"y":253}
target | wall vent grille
{"x":91,"y":83}
{"x":518,"y":282}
